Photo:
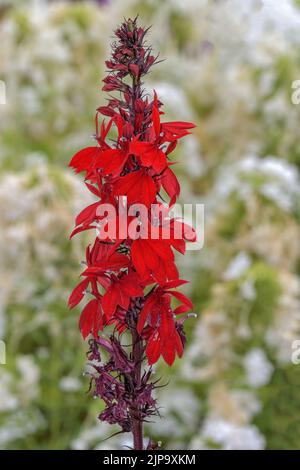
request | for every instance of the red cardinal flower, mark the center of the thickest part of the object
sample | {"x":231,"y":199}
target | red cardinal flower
{"x":163,"y":337}
{"x":165,"y":340}
{"x":154,"y":259}
{"x":120,"y":293}
{"x":138,"y":187}
{"x":150,"y":155}
{"x":120,"y":268}
{"x":158,"y":303}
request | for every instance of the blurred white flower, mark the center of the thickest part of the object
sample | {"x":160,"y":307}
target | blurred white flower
{"x":93,"y":435}
{"x":231,"y":436}
{"x":237,"y":266}
{"x":247,"y":290}
{"x":257,"y":367}
{"x":69,"y":384}
{"x":30,"y":374}
{"x":179,"y":409}
{"x":8,"y":400}
{"x":19,"y":425}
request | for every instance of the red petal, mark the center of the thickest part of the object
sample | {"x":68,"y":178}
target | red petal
{"x":179,"y":245}
{"x":110,"y":301}
{"x":175,"y":283}
{"x":106,"y":111}
{"x":181,"y":309}
{"x":113,"y":263}
{"x":156,"y":120}
{"x":168,"y":352}
{"x":153,"y":349}
{"x":88,"y":214}
{"x":155,"y":159}
{"x":181,"y":297}
{"x":144,"y":313}
{"x":178,"y":344}
{"x":183,"y":230}
{"x":171,"y":147}
{"x":93,"y":189}
{"x":170,"y":184}
{"x":83,"y":159}
{"x":166,"y":325}
{"x":81,"y":229}
{"x":138,"y":186}
{"x":87,"y":317}
{"x":111,"y":161}
{"x":172,"y":271}
{"x":176,"y":126}
{"x":130,"y":284}
{"x":137,"y":255}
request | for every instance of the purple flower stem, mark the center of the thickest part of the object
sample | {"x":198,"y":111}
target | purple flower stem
{"x":137,"y":423}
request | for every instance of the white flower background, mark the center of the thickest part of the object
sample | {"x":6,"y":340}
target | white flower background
{"x":229,"y":67}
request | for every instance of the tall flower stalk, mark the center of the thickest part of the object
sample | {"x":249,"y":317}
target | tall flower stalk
{"x":130,"y":276}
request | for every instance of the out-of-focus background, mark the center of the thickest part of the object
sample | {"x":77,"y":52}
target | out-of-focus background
{"x":229,"y":67}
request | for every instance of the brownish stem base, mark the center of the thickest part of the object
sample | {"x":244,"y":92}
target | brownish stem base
{"x":137,"y":424}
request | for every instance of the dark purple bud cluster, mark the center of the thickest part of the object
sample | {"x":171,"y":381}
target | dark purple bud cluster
{"x":114,"y":382}
{"x":130,"y":56}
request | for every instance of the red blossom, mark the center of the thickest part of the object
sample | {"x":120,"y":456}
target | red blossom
{"x":163,"y":338}
{"x":91,"y":319}
{"x":138,"y":186}
{"x":120,"y":292}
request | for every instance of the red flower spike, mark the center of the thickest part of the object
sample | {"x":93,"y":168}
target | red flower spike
{"x":150,"y":156}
